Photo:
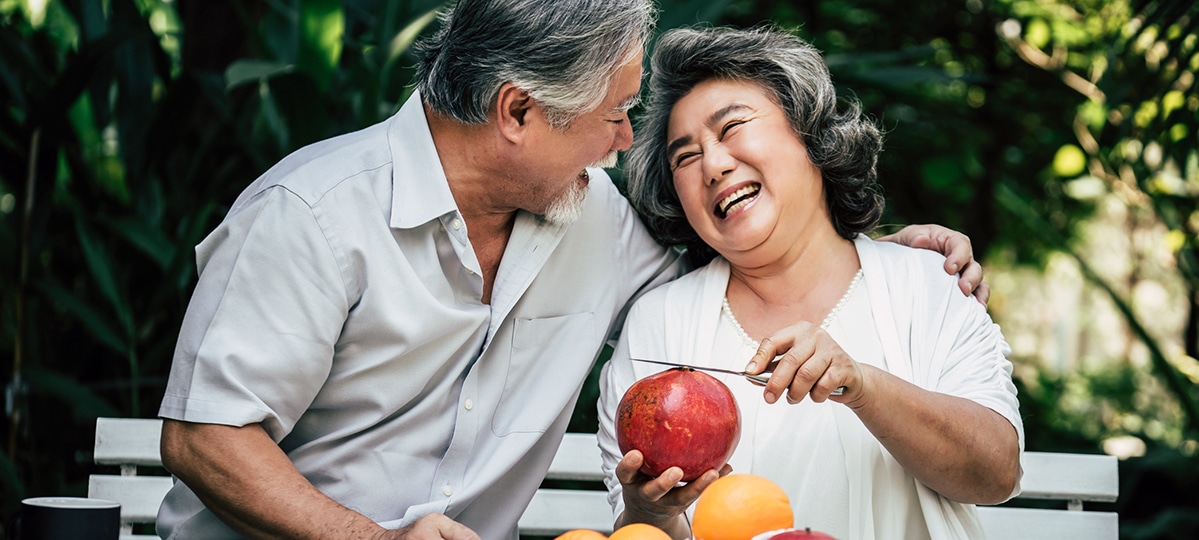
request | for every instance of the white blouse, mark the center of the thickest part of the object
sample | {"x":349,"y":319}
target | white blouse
{"x":906,"y":316}
{"x":801,"y":444}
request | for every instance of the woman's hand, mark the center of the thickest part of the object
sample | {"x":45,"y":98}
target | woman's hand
{"x":812,"y":363}
{"x":659,"y":501}
{"x":955,"y":246}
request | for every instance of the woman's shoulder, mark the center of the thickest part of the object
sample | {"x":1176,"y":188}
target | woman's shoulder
{"x":900,"y":261}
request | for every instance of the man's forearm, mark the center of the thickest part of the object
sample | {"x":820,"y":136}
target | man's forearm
{"x":249,"y":483}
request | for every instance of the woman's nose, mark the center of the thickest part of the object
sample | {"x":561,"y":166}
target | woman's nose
{"x":717,"y":163}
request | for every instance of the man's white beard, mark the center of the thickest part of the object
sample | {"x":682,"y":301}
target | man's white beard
{"x":569,"y":207}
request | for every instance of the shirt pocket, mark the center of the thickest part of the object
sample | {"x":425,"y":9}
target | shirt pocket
{"x":549,"y":361}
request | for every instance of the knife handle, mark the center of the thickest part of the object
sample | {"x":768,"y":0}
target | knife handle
{"x":761,"y":380}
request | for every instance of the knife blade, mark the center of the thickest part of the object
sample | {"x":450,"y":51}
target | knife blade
{"x":759,"y":380}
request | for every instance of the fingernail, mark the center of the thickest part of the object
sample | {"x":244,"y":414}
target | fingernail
{"x":770,"y":397}
{"x":953,"y":267}
{"x":674,"y":475}
{"x":751,"y":366}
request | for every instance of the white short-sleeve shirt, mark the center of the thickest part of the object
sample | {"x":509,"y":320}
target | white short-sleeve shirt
{"x":338,"y":305}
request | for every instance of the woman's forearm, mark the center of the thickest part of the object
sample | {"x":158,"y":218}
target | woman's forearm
{"x":960,"y":449}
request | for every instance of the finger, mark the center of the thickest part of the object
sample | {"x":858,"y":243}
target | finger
{"x":458,"y":531}
{"x":837,"y":375}
{"x":656,"y":488}
{"x":958,"y":251}
{"x":788,"y":369}
{"x":685,"y":495}
{"x":767,"y":350}
{"x":440,"y":526}
{"x":983,"y":293}
{"x":971,"y":277}
{"x":916,"y":236}
{"x":814,"y":368}
{"x":629,"y":467}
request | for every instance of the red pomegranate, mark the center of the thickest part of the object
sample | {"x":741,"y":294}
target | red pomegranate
{"x":794,"y":534}
{"x":679,"y":418}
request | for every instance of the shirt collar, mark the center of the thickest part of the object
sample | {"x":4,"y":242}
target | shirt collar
{"x":420,"y":191}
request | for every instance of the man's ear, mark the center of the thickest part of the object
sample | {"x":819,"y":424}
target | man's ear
{"x":512,"y":109}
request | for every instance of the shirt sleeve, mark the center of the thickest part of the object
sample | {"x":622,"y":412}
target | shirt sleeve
{"x":615,"y":379}
{"x":258,"y":338}
{"x":969,"y":354}
{"x":976,"y":366}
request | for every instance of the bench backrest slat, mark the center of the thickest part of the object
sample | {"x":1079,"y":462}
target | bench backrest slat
{"x":128,"y":441}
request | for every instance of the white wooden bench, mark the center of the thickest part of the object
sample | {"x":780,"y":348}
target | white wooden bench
{"x":1068,"y":479}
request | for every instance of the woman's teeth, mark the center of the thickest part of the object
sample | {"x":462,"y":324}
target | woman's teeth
{"x":736,"y":200}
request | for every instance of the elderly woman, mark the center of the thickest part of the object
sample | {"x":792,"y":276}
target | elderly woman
{"x":744,"y":158}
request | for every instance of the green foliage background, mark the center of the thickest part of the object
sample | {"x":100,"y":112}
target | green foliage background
{"x":129,"y":126}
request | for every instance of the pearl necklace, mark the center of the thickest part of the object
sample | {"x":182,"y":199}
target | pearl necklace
{"x":828,"y":319}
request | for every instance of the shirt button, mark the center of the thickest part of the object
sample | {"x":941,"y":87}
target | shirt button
{"x":456,"y":224}
{"x":447,"y":490}
{"x":469,"y":271}
{"x":469,"y":404}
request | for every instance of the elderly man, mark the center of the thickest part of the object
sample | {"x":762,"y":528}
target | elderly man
{"x":391,"y":327}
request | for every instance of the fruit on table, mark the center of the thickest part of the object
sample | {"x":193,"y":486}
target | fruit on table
{"x":805,"y":533}
{"x":639,"y":531}
{"x":581,"y":534}
{"x":739,"y":507}
{"x":679,"y":418}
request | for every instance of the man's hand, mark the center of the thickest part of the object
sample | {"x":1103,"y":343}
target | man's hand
{"x":431,"y":527}
{"x":955,"y":246}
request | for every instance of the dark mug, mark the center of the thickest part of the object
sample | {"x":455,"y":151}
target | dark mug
{"x":67,"y":518}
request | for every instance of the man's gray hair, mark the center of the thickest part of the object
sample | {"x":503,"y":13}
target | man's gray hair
{"x":564,"y":53}
{"x":840,"y":142}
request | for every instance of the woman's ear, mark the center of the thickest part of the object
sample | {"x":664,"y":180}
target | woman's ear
{"x":512,"y":109}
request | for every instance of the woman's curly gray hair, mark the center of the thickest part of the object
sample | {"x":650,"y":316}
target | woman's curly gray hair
{"x":842,"y":143}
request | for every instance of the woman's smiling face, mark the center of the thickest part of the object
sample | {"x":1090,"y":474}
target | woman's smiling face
{"x":741,"y":173}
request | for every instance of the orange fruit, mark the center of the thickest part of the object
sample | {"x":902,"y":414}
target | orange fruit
{"x":639,"y":531}
{"x":740,"y":506}
{"x":581,"y":534}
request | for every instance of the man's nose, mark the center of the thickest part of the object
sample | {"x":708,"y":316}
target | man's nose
{"x":624,"y":136}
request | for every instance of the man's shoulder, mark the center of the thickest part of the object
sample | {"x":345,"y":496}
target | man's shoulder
{"x":312,"y":171}
{"x":685,"y":286}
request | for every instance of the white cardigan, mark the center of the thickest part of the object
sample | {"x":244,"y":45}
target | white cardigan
{"x":927,"y":329}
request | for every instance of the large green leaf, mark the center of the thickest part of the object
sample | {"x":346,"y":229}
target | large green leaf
{"x":400,"y":44}
{"x":321,"y":30}
{"x":245,"y":70}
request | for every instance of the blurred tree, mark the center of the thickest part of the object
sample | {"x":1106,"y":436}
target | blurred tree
{"x":128,"y":128}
